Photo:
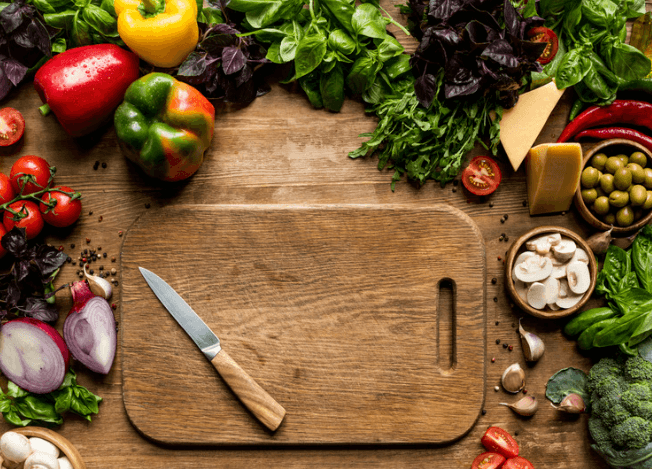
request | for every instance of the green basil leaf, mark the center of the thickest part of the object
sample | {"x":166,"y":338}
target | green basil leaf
{"x":368,"y":21}
{"x":626,"y":61}
{"x":274,"y":53}
{"x":288,"y":48}
{"x":62,"y":399}
{"x":642,"y":257}
{"x":35,"y":407}
{"x":272,"y":12}
{"x":211,"y":16}
{"x":331,"y":87}
{"x":61,"y":20}
{"x":309,"y":54}
{"x":362,"y":75}
{"x":389,"y":48}
{"x":100,"y":20}
{"x":397,"y":66}
{"x":340,"y":41}
{"x":310,"y":85}
{"x":44,"y":6}
{"x":81,"y":3}
{"x":245,"y":6}
{"x":572,"y":68}
{"x":599,"y":12}
{"x":80,"y":33}
{"x":59,"y":45}
{"x":14,"y":391}
{"x":12,"y":416}
{"x":633,"y":8}
{"x":341,"y":10}
{"x":265,"y":34}
{"x":84,"y":402}
{"x":109,"y":7}
{"x":594,"y":82}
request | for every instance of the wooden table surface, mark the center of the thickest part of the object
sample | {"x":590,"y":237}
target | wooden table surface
{"x":279,"y":150}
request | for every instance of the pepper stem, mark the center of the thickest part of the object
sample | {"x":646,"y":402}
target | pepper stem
{"x":45,"y":109}
{"x":149,"y":5}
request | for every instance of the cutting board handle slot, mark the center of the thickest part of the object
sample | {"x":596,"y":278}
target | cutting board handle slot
{"x":446,"y":337}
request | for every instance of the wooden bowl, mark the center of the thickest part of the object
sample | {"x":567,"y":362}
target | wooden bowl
{"x":65,"y":446}
{"x":612,"y":147}
{"x":518,"y":246}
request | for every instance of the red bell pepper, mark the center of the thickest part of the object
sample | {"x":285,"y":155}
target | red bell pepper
{"x":84,"y":85}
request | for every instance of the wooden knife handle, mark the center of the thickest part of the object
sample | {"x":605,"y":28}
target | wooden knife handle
{"x":256,"y":399}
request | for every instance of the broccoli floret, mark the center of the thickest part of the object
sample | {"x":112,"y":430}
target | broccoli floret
{"x":615,"y":415}
{"x":608,"y":386}
{"x":599,"y":432}
{"x":635,"y":397}
{"x":633,"y":433}
{"x":605,"y":367}
{"x":638,"y":369}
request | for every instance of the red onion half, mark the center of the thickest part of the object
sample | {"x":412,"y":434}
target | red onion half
{"x":89,"y":329}
{"x":33,"y":355}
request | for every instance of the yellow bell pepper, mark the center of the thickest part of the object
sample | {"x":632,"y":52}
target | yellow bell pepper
{"x":161,"y":32}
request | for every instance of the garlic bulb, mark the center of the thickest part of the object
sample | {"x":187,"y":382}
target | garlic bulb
{"x":532,"y":344}
{"x":98,"y":285}
{"x":513,"y":379}
{"x":572,"y":404}
{"x":526,"y":406}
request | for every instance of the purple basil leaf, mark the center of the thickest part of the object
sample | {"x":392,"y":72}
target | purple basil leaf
{"x":11,"y":17}
{"x":501,"y":52}
{"x":14,"y":70}
{"x":38,"y":308}
{"x":477,"y":32}
{"x":464,"y":89}
{"x":3,"y":313}
{"x":21,"y":270}
{"x":5,"y":83}
{"x":512,"y":18}
{"x":244,"y":76}
{"x":256,"y":52}
{"x":48,"y":259}
{"x":425,"y":88}
{"x":15,"y":242}
{"x":484,"y":70}
{"x":262,"y":89}
{"x":193,"y":66}
{"x":441,"y":10}
{"x":13,"y":295}
{"x":232,"y":60}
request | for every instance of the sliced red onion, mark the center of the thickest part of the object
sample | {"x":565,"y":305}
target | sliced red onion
{"x":89,"y":330}
{"x":33,"y":355}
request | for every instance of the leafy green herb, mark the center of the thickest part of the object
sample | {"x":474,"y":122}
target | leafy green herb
{"x":426,"y":143}
{"x":22,"y":408}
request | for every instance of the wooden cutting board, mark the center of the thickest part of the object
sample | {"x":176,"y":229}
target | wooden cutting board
{"x":367,"y":323}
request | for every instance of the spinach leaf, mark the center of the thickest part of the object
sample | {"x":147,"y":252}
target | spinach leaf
{"x":368,"y":21}
{"x":332,"y":88}
{"x":631,"y":299}
{"x":309,"y":54}
{"x":617,"y":264}
{"x":621,"y":330}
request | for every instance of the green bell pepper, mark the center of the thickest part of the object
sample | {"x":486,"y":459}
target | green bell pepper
{"x":165,"y":126}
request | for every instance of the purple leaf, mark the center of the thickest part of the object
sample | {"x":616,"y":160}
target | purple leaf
{"x":232,"y":60}
{"x":38,"y":308}
{"x":501,"y":52}
{"x":425,"y":87}
{"x":244,"y":76}
{"x":14,"y":70}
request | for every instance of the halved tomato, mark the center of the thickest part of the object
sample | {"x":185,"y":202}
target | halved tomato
{"x":482,"y":176}
{"x":518,"y":463}
{"x":543,"y":34}
{"x":488,"y":461}
{"x":12,"y":126}
{"x":499,"y":441}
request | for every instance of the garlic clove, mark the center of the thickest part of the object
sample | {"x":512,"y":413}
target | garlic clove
{"x":599,"y":242}
{"x":527,"y":406}
{"x":513,"y":379}
{"x":572,"y":404}
{"x":98,"y":285}
{"x":532,"y":344}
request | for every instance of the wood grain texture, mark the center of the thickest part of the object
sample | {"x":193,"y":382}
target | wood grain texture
{"x":256,"y":399}
{"x":332,"y":309}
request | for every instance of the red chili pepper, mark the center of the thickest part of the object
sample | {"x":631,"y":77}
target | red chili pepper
{"x":617,"y":132}
{"x":84,"y":85}
{"x":638,"y":113}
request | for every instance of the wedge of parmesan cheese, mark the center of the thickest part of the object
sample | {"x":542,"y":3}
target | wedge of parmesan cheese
{"x":521,"y":125}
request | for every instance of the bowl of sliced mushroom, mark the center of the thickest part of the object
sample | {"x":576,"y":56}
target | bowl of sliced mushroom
{"x":550,"y":272}
{"x":38,"y":448}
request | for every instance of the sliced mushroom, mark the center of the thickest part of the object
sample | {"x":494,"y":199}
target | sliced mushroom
{"x":64,"y":463}
{"x":14,"y":449}
{"x":578,"y":276}
{"x":552,"y":289}
{"x":555,"y":262}
{"x":39,"y":445}
{"x":565,"y":250}
{"x":521,"y":288}
{"x":558,"y":271}
{"x":536,"y":295}
{"x":567,"y":299}
{"x":580,"y":256}
{"x":533,"y":269}
{"x":522,"y":257}
{"x":540,"y":245}
{"x":554,"y":306}
{"x":41,"y":461}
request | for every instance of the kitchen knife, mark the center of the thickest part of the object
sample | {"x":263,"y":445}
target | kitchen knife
{"x":256,"y":399}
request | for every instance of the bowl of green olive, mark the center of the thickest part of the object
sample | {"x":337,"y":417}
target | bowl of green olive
{"x":615,"y":187}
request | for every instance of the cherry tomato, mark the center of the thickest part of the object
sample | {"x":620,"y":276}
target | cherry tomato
{"x":12,"y":126}
{"x":66,"y":210}
{"x":482,"y":176}
{"x":2,"y":233}
{"x":518,"y":463}
{"x":488,"y":461}
{"x":32,"y":222}
{"x":543,"y":34}
{"x":7,"y":192}
{"x":499,"y":441}
{"x":35,"y":168}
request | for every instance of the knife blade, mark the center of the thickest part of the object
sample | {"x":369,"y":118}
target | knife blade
{"x":269,"y":412}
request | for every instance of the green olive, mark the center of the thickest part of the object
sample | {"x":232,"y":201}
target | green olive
{"x":598,"y":161}
{"x":613,"y":164}
{"x":590,"y":177}
{"x":618,"y":199}
{"x":609,"y":219}
{"x":600,"y":192}
{"x":647,"y":205}
{"x":637,"y":195}
{"x":625,"y":216}
{"x":622,"y":179}
{"x":589,"y":196}
{"x":639,"y":158}
{"x":601,"y":205}
{"x":638,"y":175}
{"x":624,"y":158}
{"x":648,"y":178}
{"x":607,"y":183}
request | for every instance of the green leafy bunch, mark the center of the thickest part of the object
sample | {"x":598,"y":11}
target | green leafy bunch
{"x":83,"y":22}
{"x":333,"y":45}
{"x":21,"y":408}
{"x":595,"y":59}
